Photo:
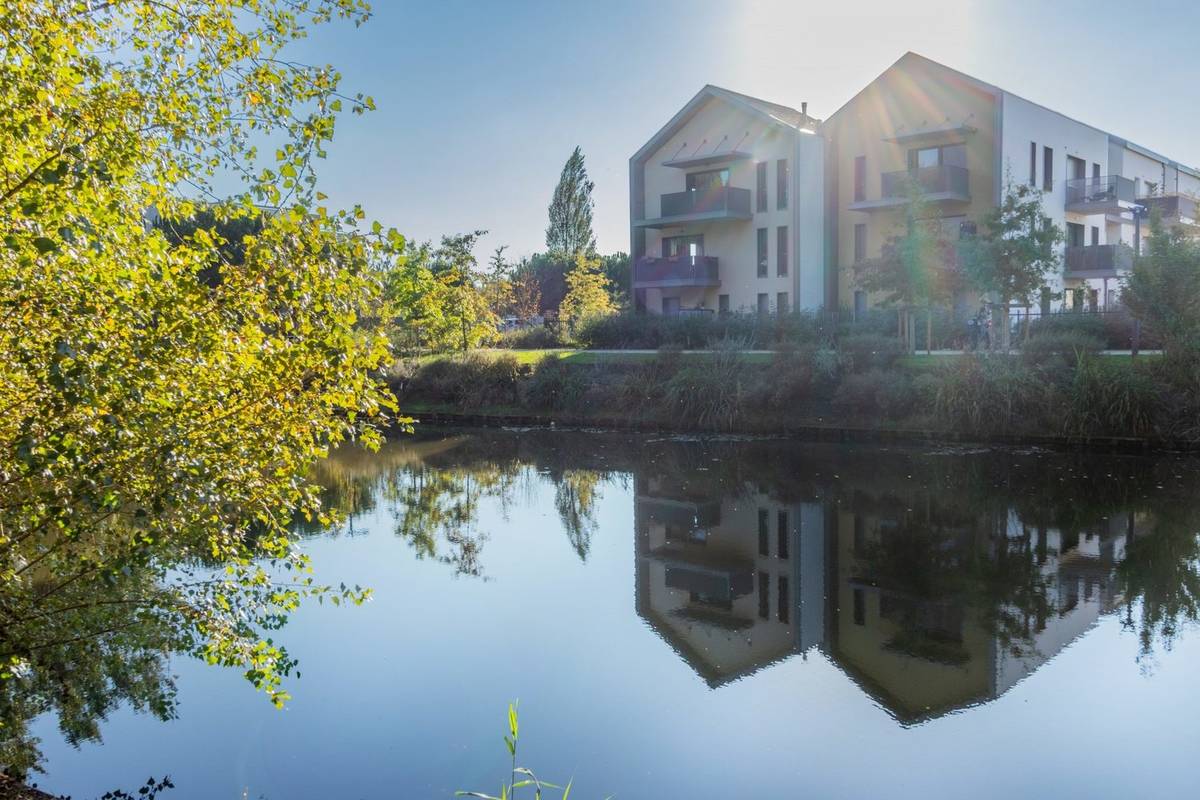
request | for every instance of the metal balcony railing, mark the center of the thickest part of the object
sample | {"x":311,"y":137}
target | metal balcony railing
{"x":719,"y":201}
{"x":1098,"y":258}
{"x":941,"y":179}
{"x":1106,"y":191}
{"x":651,"y":272}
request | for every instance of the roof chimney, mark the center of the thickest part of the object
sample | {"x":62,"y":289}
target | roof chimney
{"x":804,"y":108}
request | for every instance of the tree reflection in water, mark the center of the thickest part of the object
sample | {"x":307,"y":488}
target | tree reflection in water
{"x":934,"y":579}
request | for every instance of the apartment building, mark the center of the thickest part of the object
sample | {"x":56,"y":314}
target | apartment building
{"x":963,"y":141}
{"x":726,"y":209}
{"x":959,"y":139}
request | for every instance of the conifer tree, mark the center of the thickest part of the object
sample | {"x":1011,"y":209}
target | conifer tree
{"x":570,"y":230}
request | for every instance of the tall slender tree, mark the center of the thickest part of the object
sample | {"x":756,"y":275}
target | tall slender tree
{"x":570,"y":230}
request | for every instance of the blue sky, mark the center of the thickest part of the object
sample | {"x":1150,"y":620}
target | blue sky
{"x":480,"y":103}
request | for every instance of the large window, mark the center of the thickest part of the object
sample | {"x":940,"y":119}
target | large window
{"x":1048,"y":169}
{"x":712,"y":179}
{"x":762,"y":186}
{"x":762,"y":253}
{"x":1074,"y":234}
{"x":950,"y":155}
{"x":677,"y":246}
{"x":860,"y":178}
{"x":781,"y":251}
{"x":781,"y":183}
{"x":860,"y":242}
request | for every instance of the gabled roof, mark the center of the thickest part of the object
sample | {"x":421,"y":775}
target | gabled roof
{"x":910,"y":58}
{"x":784,"y":116}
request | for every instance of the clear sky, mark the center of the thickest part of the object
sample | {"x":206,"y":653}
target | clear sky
{"x":480,"y":103}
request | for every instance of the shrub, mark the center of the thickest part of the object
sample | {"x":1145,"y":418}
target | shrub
{"x":469,"y":381}
{"x":996,"y":394}
{"x":1108,"y":397}
{"x":540,"y":337}
{"x":555,"y":385}
{"x":708,"y":390}
{"x":866,"y":351}
{"x":1060,"y":346}
{"x":888,"y":395}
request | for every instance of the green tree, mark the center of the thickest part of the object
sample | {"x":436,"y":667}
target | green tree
{"x":1013,"y":252}
{"x":154,"y":425}
{"x":587,"y":297}
{"x":570,"y":229}
{"x":465,"y":301}
{"x":1163,"y":289}
{"x":916,"y":268}
{"x":228,"y":228}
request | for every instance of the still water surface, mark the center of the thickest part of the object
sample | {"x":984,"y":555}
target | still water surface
{"x":706,"y":618}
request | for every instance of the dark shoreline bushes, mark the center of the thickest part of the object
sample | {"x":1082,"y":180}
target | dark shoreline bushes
{"x":1066,"y":390}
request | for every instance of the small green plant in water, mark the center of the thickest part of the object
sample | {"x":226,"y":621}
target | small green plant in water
{"x":519,"y":777}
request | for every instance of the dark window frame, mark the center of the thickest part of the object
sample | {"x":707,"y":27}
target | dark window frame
{"x":761,"y":193}
{"x":782,"y":176}
{"x":762,"y":253}
{"x":782,"y":253}
{"x":1048,"y":169}
{"x":782,"y":534}
{"x":1033,"y":160}
{"x":690,"y":178}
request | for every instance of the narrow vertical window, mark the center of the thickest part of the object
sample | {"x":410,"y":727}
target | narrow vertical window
{"x":860,"y":606}
{"x":781,"y":251}
{"x":723,"y":303}
{"x":860,"y":242}
{"x":785,"y":600}
{"x":762,"y":252}
{"x":781,"y":303}
{"x":1048,"y":169}
{"x":781,"y":532}
{"x":860,"y":178}
{"x":762,"y":186}
{"x":764,"y":533}
{"x":764,"y":595}
{"x":1095,"y":235}
{"x":764,"y":303}
{"x":1033,"y":163}
{"x":781,"y":183}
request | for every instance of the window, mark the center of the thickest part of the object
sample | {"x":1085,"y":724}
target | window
{"x":785,"y":600}
{"x":762,"y":186}
{"x":1074,"y":234}
{"x":781,"y":303}
{"x":677,"y":246}
{"x":1095,"y":235}
{"x":950,"y":155}
{"x":723,"y":303}
{"x":781,"y":533}
{"x":860,"y":178}
{"x":712,"y":179}
{"x":781,"y":250}
{"x":764,"y":533}
{"x":1033,"y":163}
{"x":860,"y":535}
{"x":762,"y":252}
{"x":860,"y":606}
{"x":781,"y":183}
{"x":764,"y":303}
{"x":923,"y":157}
{"x":967,"y":229}
{"x":1048,"y":168}
{"x":1095,"y":173}
{"x":1076,"y":168}
{"x":764,"y":599}
{"x":860,"y":242}
{"x":670,"y":305}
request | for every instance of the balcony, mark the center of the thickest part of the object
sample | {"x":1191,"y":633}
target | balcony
{"x":939,"y":184}
{"x":1176,"y":209}
{"x":682,"y":271}
{"x":1108,"y":194}
{"x":1097,"y":261}
{"x":708,"y":205}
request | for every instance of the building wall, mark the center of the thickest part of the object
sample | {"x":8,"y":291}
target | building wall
{"x":719,"y":126}
{"x":911,"y":96}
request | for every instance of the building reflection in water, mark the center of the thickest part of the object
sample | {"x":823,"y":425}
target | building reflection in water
{"x":927,"y":609}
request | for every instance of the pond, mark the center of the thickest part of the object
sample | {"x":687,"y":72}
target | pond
{"x":712,"y":618}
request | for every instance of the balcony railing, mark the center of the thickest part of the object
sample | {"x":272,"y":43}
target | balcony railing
{"x":1097,"y":260}
{"x":942,"y":179}
{"x":1099,"y":195}
{"x":719,"y":201}
{"x":1174,"y":207}
{"x":650,"y":272}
